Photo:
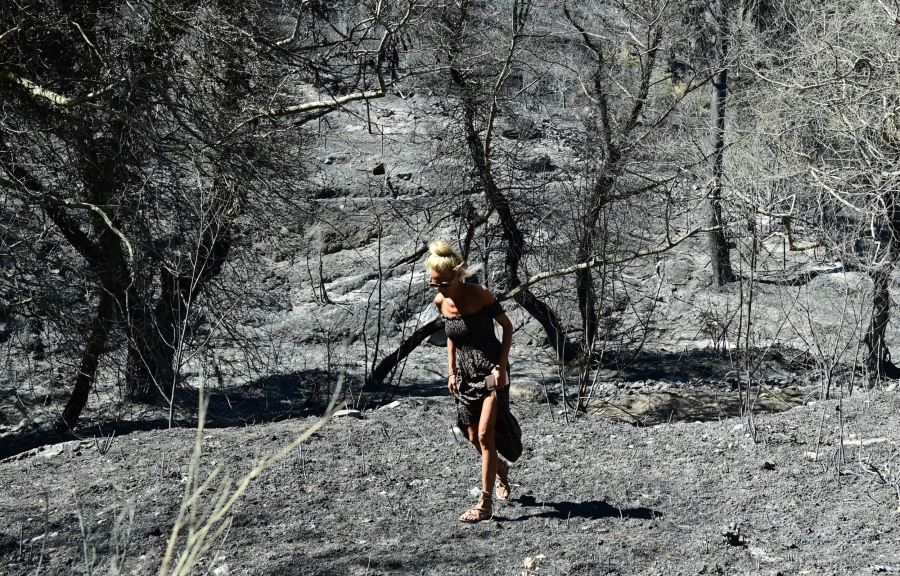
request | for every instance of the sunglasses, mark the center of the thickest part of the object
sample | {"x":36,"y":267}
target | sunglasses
{"x":444,"y":285}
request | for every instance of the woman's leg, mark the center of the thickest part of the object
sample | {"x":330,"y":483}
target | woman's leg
{"x":486,"y":443}
{"x":481,"y":434}
{"x":502,"y":466}
{"x":472,"y":431}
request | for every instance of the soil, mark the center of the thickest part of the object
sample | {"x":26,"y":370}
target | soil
{"x":661,"y":476}
{"x":815,"y":492}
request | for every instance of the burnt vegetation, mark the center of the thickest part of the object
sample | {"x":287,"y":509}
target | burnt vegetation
{"x":215,"y":214}
{"x":245,"y":189}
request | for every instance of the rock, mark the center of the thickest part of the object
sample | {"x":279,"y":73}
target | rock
{"x":54,"y":451}
{"x":732,"y":535}
{"x":405,"y":176}
{"x":378,"y":170}
{"x":354,"y":128}
{"x":329,"y":160}
{"x":457,"y":434}
{"x":393,"y":404}
{"x":526,"y":391}
{"x":23,"y":424}
{"x":607,"y":388}
{"x":868,"y":442}
{"x":350,"y":413}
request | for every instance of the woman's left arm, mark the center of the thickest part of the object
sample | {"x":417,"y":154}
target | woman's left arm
{"x":506,"y":341}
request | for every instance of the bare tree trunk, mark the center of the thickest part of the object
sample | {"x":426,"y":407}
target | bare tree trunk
{"x":87,"y":371}
{"x":584,"y":279}
{"x":512,"y":235}
{"x":878,"y":360}
{"x":387,"y":364}
{"x":539,"y":310}
{"x":719,"y":252}
{"x":151,"y":354}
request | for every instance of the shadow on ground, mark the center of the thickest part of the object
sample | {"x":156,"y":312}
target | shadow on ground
{"x":591,"y":510}
{"x":769,"y":363}
{"x":269,"y":399}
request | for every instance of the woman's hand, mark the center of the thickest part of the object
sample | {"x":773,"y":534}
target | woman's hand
{"x":499,"y":373}
{"x":451,"y":383}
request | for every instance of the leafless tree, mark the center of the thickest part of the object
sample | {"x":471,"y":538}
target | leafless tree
{"x":830,"y":115}
{"x":138,"y":142}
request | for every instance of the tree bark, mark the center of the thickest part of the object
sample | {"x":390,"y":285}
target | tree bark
{"x":719,"y":250}
{"x":610,"y":141}
{"x":387,"y":364}
{"x":151,"y":354}
{"x":87,"y":370}
{"x":878,"y":360}
{"x":512,"y":235}
{"x":584,"y":279}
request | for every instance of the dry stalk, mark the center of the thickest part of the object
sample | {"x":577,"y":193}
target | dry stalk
{"x":206,"y":524}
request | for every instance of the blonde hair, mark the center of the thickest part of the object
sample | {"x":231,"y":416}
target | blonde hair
{"x":444,"y":259}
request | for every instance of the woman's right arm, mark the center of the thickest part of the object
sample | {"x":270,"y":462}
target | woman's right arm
{"x":451,"y":351}
{"x":451,"y":361}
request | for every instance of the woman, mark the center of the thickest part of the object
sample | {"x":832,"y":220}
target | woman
{"x":473,"y":353}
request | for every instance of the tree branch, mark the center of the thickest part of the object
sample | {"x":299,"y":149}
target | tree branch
{"x":10,"y":32}
{"x":597,"y":262}
{"x":6,"y":309}
{"x":63,"y":101}
{"x":72,"y":232}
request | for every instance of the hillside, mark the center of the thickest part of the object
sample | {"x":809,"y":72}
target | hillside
{"x":381,"y":494}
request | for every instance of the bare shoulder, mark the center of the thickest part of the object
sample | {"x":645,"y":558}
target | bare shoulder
{"x":439,"y":301}
{"x":485,"y":298}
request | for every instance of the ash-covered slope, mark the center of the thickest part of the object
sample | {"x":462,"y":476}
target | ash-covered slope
{"x":381,"y":494}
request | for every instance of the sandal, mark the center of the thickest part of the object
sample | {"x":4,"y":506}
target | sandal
{"x":503,"y":487}
{"x":481,"y":512}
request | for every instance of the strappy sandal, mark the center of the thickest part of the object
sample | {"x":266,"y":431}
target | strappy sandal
{"x":483,"y":511}
{"x":503,"y":487}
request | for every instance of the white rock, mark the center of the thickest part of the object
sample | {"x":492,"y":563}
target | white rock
{"x":222,"y":570}
{"x":54,"y":451}
{"x":350,"y":413}
{"x":527,"y":391}
{"x":868,"y":442}
{"x":457,"y":434}
{"x":393,"y":404}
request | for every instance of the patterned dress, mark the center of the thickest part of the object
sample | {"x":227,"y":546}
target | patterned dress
{"x":477,"y":352}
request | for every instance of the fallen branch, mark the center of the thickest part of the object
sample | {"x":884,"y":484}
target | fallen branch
{"x":406,"y":347}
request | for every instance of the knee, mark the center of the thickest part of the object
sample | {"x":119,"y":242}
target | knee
{"x":485,"y":437}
